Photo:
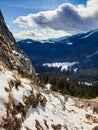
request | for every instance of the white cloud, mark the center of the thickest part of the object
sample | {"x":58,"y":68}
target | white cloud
{"x":38,"y":34}
{"x":22,"y":34}
{"x":67,"y":17}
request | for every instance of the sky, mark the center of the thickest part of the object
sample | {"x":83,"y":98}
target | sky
{"x":44,"y":19}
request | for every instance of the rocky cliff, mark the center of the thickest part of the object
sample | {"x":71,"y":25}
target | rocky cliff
{"x":10,"y":53}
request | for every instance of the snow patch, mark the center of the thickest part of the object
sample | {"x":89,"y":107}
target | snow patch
{"x":48,"y":86}
{"x":63,"y":65}
{"x":69,"y":43}
{"x":85,"y":83}
{"x":86,"y":36}
{"x":29,"y":42}
{"x":75,"y":70}
{"x":90,"y":56}
{"x":19,"y":55}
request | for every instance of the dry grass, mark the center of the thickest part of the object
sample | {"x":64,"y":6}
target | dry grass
{"x":10,"y":98}
{"x":7,"y":89}
{"x":56,"y":94}
{"x":27,"y":128}
{"x":38,"y":125}
{"x":56,"y":127}
{"x":17,"y":120}
{"x":45,"y":122}
{"x":91,"y":119}
{"x":2,"y":66}
{"x":1,"y":121}
{"x":95,"y":128}
{"x":18,"y":81}
{"x":65,"y":126}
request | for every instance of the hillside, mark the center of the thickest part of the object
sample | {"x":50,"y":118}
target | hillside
{"x":26,"y":106}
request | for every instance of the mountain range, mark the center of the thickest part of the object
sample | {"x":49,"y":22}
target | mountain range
{"x":81,"y":48}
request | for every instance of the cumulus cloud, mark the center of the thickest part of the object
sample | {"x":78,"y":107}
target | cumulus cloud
{"x":67,"y":17}
{"x":23,"y":34}
{"x":38,"y":34}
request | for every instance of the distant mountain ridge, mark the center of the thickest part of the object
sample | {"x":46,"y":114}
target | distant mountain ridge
{"x":82,"y":48}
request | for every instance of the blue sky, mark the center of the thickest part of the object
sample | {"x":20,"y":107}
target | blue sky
{"x":49,"y":18}
{"x":14,"y":8}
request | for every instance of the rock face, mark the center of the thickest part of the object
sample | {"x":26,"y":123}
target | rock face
{"x":10,"y":53}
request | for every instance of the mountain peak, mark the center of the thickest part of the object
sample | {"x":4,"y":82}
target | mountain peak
{"x":1,"y":17}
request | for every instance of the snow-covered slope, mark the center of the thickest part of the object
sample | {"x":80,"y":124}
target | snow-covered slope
{"x":60,"y":113}
{"x":62,"y":65}
{"x":23,"y":106}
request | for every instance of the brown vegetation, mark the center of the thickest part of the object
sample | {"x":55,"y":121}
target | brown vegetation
{"x":38,"y":125}
{"x":56,"y":127}
{"x":95,"y":128}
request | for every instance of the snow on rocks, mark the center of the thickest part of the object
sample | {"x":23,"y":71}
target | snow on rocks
{"x":9,"y":84}
{"x":48,"y":86}
{"x":59,"y":112}
{"x":33,"y":109}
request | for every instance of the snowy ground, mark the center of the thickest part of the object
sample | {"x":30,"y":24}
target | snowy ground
{"x":59,"y":110}
{"x":59,"y":113}
{"x":62,"y":65}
